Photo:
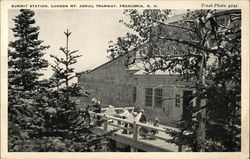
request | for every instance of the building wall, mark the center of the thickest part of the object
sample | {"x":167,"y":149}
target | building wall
{"x":111,"y":84}
{"x":170,"y":87}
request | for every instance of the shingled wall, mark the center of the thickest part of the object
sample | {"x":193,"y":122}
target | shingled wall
{"x":170,"y":86}
{"x":111,"y":84}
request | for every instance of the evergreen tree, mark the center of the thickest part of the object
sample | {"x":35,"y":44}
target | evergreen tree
{"x":25,"y":63}
{"x":42,"y":118}
{"x":65,"y":119}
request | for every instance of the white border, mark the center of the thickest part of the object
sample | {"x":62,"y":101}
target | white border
{"x":244,"y":5}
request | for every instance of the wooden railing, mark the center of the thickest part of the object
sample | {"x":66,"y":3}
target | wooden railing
{"x":135,"y":129}
{"x":117,"y":109}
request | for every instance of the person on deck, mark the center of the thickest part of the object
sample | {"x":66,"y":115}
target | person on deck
{"x":127,"y":115}
{"x":138,"y":116}
{"x":110,"y":110}
{"x":134,"y":115}
{"x":156,"y":123}
{"x":97,"y":108}
{"x":143,"y":119}
{"x":96,"y":105}
{"x":136,"y":109}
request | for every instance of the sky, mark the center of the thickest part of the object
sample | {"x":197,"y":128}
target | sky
{"x":91,"y":32}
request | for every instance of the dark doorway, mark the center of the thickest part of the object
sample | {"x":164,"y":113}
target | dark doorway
{"x":187,"y":97}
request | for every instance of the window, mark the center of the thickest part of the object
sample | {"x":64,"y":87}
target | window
{"x":148,"y":97}
{"x":177,"y":100}
{"x":158,"y":98}
{"x":134,"y":94}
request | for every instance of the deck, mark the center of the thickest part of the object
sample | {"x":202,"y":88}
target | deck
{"x":152,"y":143}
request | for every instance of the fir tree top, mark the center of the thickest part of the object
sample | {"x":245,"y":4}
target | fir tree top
{"x":25,"y":54}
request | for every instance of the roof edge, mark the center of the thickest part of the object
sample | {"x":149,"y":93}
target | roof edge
{"x":110,"y":61}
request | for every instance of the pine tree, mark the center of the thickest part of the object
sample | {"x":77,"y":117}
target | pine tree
{"x":25,"y":63}
{"x":65,"y":119}
{"x":64,"y":108}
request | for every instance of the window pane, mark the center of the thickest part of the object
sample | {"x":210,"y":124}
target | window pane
{"x":158,"y":92}
{"x":148,"y":97}
{"x":158,"y":98}
{"x":158,"y":102}
{"x":148,"y":101}
{"x":149,"y":92}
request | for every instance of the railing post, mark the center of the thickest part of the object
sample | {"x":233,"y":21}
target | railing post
{"x":179,"y":148}
{"x":135,"y":130}
{"x":133,"y":149}
{"x":105,"y":125}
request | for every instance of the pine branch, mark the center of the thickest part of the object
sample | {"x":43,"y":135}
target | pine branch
{"x":72,"y":52}
{"x":56,"y":58}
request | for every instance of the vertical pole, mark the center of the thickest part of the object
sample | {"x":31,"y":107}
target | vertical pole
{"x":105,"y":125}
{"x":153,"y":97}
{"x":179,"y":148}
{"x":135,"y":130}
